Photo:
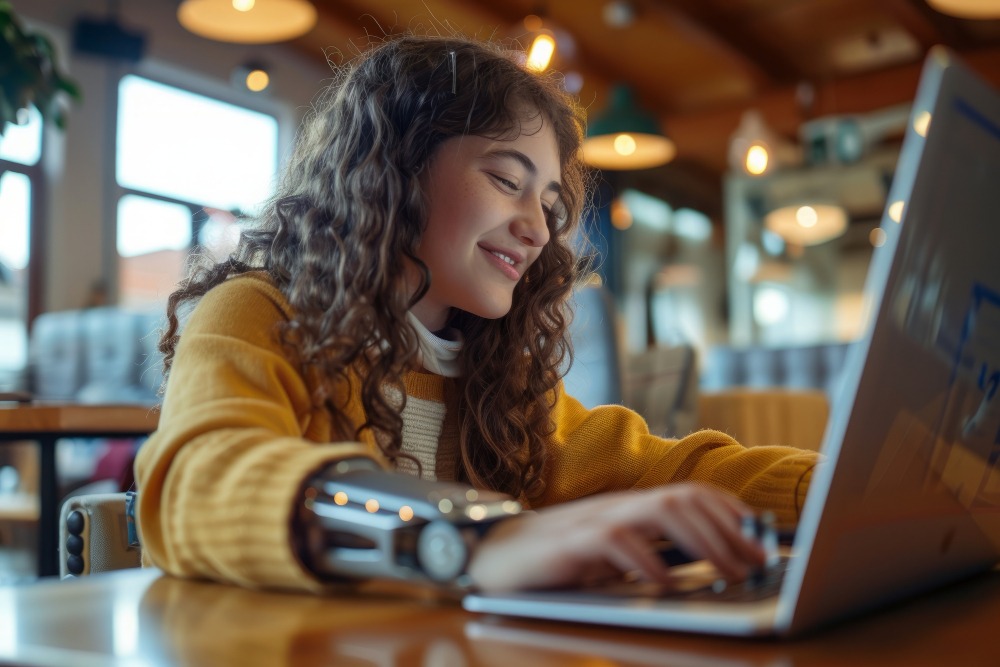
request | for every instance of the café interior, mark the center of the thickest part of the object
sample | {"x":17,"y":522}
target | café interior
{"x":741,"y":154}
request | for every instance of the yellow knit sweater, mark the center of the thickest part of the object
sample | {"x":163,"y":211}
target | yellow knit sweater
{"x":219,"y":480}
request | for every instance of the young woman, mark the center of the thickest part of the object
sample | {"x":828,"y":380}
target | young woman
{"x":401,"y":300}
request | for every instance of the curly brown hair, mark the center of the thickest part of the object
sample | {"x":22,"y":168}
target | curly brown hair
{"x":348,"y":215}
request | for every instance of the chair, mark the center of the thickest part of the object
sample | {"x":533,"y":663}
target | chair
{"x":56,"y":355}
{"x":595,"y":377}
{"x":113,"y":356}
{"x":97,"y":533}
{"x":661,"y":384}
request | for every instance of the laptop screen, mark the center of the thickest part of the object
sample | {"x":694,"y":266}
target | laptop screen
{"x":908,"y":495}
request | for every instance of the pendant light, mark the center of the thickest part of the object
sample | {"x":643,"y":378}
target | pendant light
{"x":626,"y":137}
{"x":247,"y":21}
{"x":968,"y":9}
{"x":807,"y":224}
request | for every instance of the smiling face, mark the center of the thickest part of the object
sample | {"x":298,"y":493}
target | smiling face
{"x":488,"y":204}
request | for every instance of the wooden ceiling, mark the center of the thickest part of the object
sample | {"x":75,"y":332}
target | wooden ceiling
{"x":699,"y":64}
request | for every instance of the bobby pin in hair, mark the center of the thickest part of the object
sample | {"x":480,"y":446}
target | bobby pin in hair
{"x":454,"y":72}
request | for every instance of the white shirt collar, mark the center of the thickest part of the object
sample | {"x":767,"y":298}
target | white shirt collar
{"x":440,"y":355}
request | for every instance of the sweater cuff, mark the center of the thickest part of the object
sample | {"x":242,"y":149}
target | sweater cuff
{"x":801,"y":490}
{"x":258,"y":548}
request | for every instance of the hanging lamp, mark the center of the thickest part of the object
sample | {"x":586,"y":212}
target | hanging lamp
{"x":247,"y":21}
{"x":807,"y":224}
{"x":968,"y":9}
{"x":626,"y":137}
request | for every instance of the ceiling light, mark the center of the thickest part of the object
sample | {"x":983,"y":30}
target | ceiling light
{"x":968,"y":9}
{"x":807,"y":224}
{"x":541,"y":51}
{"x":755,"y":149}
{"x":757,"y":159}
{"x":626,"y":137}
{"x":549,"y":42}
{"x":252,"y":76}
{"x":247,"y":21}
{"x":532,"y":22}
{"x":257,"y":80}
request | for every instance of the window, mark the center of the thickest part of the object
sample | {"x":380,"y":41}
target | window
{"x":20,"y":152}
{"x":186,"y":165}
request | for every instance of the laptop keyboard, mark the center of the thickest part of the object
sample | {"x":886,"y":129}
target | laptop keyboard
{"x":700,"y":582}
{"x":759,"y":586}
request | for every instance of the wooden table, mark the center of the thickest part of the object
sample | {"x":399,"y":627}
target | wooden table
{"x":141,"y":617}
{"x":46,"y":424}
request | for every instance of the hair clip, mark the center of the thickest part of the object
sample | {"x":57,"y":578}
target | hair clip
{"x":454,"y":72}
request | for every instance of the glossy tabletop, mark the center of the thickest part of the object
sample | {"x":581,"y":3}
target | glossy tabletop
{"x":144,"y":618}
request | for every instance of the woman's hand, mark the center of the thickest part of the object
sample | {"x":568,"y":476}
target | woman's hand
{"x":600,"y":535}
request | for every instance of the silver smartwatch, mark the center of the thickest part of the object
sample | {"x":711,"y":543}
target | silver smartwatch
{"x":364,"y":522}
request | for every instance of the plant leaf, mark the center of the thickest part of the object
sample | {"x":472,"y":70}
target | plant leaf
{"x":29,"y":72}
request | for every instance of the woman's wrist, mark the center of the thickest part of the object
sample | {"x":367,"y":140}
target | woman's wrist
{"x":409,"y":528}
{"x":307,"y":535}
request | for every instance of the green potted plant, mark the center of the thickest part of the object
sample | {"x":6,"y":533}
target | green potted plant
{"x":29,"y":73}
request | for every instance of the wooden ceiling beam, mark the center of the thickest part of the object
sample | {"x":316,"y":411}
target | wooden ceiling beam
{"x":954,"y":31}
{"x":700,"y":23}
{"x":598,"y":76}
{"x":344,"y":21}
{"x":337,"y":36}
{"x":927,"y":26}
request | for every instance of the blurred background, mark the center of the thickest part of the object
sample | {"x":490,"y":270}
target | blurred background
{"x":764,"y":106}
{"x":743,"y":151}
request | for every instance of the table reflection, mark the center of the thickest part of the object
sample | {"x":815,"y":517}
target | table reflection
{"x":143,"y":617}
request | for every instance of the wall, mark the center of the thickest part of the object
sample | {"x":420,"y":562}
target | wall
{"x":81,"y":196}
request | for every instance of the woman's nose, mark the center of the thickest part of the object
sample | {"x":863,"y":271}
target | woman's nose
{"x":532,"y":228}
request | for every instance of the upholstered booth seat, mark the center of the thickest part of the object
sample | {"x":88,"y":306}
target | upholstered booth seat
{"x":759,"y":367}
{"x":98,"y":355}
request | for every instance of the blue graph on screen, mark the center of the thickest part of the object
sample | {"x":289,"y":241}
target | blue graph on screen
{"x":969,"y":434}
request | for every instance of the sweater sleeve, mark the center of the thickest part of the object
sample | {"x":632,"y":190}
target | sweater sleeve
{"x":609,"y":448}
{"x":220,"y":478}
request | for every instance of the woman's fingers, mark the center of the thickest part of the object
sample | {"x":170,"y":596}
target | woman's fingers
{"x":572,"y":543}
{"x":730,"y":542}
{"x":629,"y":551}
{"x":703,"y":540}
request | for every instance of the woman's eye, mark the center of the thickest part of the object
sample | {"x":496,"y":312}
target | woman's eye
{"x":506,"y":182}
{"x":554,"y":213}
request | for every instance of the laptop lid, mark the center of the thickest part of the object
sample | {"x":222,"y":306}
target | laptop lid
{"x":907,"y":496}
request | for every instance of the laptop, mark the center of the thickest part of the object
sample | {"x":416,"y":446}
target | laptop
{"x":907,"y":497}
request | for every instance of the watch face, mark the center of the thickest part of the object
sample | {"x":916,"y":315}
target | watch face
{"x":442,"y":551}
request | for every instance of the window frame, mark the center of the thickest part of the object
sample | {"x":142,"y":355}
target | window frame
{"x":37,"y":230}
{"x":191,"y":83}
